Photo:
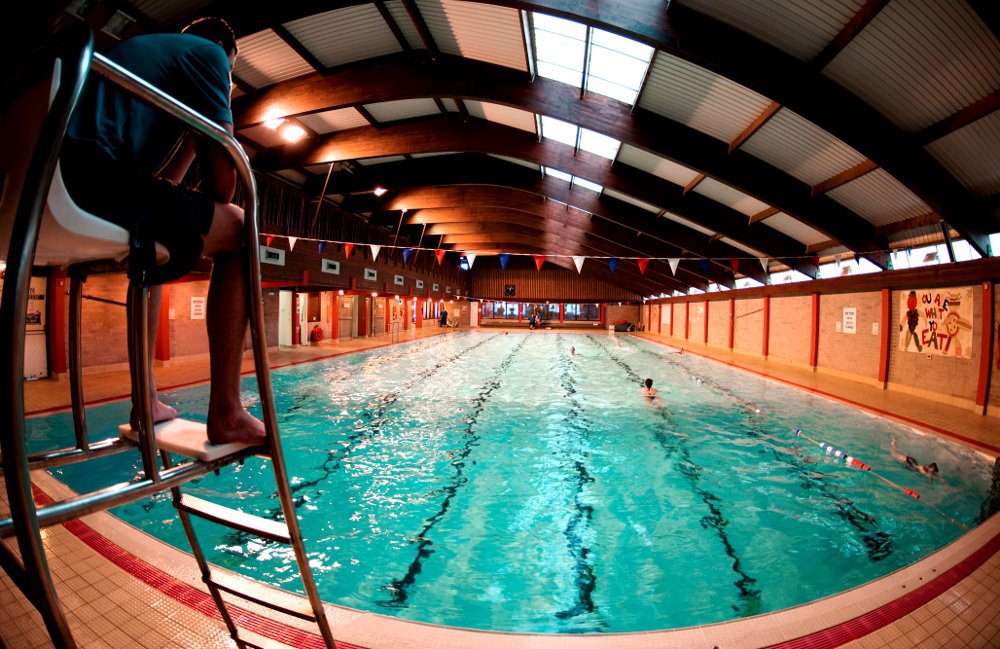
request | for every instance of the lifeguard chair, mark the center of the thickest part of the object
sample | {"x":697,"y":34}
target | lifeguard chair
{"x":44,"y":227}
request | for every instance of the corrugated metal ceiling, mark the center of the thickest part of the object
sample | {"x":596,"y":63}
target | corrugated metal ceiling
{"x":625,"y":198}
{"x":800,"y":148}
{"x":391,"y":111}
{"x":345,"y":35}
{"x":879,"y":198}
{"x":506,"y":115}
{"x":795,"y":229}
{"x":265,"y":59}
{"x":476,"y":31}
{"x":168,"y":13}
{"x":920,"y":61}
{"x":801,"y":28}
{"x":730,"y":197}
{"x":334,"y":120}
{"x":699,"y":98}
{"x":402,"y":20}
{"x":654,"y":164}
{"x":972,"y":154}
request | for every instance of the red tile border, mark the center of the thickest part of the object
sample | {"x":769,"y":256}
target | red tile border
{"x":193,"y":598}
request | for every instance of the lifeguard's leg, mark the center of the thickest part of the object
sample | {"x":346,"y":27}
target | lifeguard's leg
{"x":227,"y":321}
{"x":161,"y":411}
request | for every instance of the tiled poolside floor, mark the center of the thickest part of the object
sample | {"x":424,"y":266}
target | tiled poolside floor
{"x":110,"y":601}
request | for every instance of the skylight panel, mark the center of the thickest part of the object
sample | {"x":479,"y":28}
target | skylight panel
{"x":617,"y":66}
{"x":560,"y":45}
{"x":586,"y":184}
{"x":562,"y":175}
{"x":602,"y":145}
{"x":558,"y":130}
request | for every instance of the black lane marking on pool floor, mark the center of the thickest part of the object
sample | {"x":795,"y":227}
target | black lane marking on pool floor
{"x":749,"y":597}
{"x":582,"y":514}
{"x":399,"y":588}
{"x":376,"y":416}
{"x":878,"y":543}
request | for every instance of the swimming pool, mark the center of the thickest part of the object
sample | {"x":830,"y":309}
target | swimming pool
{"x":500,"y":482}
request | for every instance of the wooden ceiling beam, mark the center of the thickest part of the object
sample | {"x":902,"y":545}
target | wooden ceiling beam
{"x":844,"y":177}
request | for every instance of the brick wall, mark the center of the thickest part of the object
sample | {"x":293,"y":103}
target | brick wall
{"x":104,"y":335}
{"x":790,"y":329}
{"x":614,"y":313}
{"x":942,"y":377}
{"x":748,"y":326}
{"x":696,"y":322}
{"x":718,"y":324}
{"x":856,"y":353}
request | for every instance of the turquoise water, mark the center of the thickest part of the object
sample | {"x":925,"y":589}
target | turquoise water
{"x":499,"y":482}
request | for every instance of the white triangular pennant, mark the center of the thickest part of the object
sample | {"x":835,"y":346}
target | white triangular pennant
{"x":291,"y":243}
{"x":763,"y":263}
{"x":673,"y":261}
{"x":579,"y":264}
{"x":375,"y":250}
{"x":471,"y":256}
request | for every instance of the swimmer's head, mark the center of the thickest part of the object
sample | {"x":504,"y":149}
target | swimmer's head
{"x":931,"y":469}
{"x":648,"y":383}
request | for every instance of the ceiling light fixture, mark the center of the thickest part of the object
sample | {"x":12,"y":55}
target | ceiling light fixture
{"x":379,"y":191}
{"x":273,"y":118}
{"x":292,"y":133}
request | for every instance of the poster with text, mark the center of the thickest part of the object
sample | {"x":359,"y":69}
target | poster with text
{"x":937,"y":321}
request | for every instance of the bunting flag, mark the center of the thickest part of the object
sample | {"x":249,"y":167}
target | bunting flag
{"x":268,"y":239}
{"x":764,"y":262}
{"x":794,"y":264}
{"x":471,"y":256}
{"x":440,"y":256}
{"x":613,"y":263}
{"x":735,"y":263}
{"x":291,"y":243}
{"x":836,"y":259}
{"x":322,"y":247}
{"x":375,"y":250}
{"x":504,"y":258}
{"x":704,"y":265}
{"x":539,"y":260}
{"x":642,"y":265}
{"x":673,"y":261}
{"x":815,"y":261}
{"x":348,"y":247}
{"x":857,"y":259}
{"x":406,"y":255}
{"x":578,"y":261}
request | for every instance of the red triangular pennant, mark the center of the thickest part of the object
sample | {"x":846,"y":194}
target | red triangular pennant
{"x":440,"y":256}
{"x":735,"y":263}
{"x":268,"y":239}
{"x":539,"y":260}
{"x":348,"y":247}
{"x":642,"y":265}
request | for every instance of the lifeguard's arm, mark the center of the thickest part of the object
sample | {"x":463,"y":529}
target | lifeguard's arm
{"x":220,"y":173}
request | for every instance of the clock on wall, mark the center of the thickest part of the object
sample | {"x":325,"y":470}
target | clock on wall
{"x":509,"y":290}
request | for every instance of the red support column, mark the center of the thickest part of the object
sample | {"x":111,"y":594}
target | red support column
{"x":520,"y":311}
{"x":814,"y":332}
{"x":687,"y":321}
{"x":57,"y":317}
{"x":766,"y":337}
{"x":732,"y":321}
{"x":705,"y":333}
{"x":671,"y":331}
{"x":562,"y":313}
{"x":602,"y":315}
{"x":296,"y":335}
{"x":161,"y":351}
{"x":884,"y":338}
{"x":984,"y":351}
{"x":335,"y":318}
{"x":659,"y":320}
{"x":419,"y":324}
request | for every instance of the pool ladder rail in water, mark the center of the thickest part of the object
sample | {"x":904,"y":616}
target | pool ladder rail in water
{"x":41,"y":123}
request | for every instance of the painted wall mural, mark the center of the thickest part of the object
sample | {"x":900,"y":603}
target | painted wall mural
{"x":937,"y":321}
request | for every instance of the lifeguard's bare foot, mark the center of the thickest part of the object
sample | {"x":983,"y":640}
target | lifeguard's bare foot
{"x":161,"y":412}
{"x":238,"y":426}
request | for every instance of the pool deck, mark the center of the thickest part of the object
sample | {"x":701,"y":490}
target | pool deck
{"x":120,"y":588}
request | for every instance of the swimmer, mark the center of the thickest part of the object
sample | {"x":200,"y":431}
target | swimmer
{"x":648,"y":390}
{"x":927,"y":469}
{"x":572,"y":350}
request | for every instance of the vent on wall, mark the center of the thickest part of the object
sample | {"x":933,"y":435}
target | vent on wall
{"x":272,"y":256}
{"x":398,"y":280}
{"x":370,"y":274}
{"x":331,"y":266}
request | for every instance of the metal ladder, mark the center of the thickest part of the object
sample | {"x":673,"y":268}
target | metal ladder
{"x":30,"y":571}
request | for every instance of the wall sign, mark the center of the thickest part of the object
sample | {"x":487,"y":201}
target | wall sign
{"x":937,"y":321}
{"x":850,"y":320}
{"x":197,"y":308}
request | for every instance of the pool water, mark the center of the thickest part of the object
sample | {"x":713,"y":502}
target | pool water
{"x":499,"y":481}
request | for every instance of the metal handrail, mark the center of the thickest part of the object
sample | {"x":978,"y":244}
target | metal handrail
{"x":20,"y":257}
